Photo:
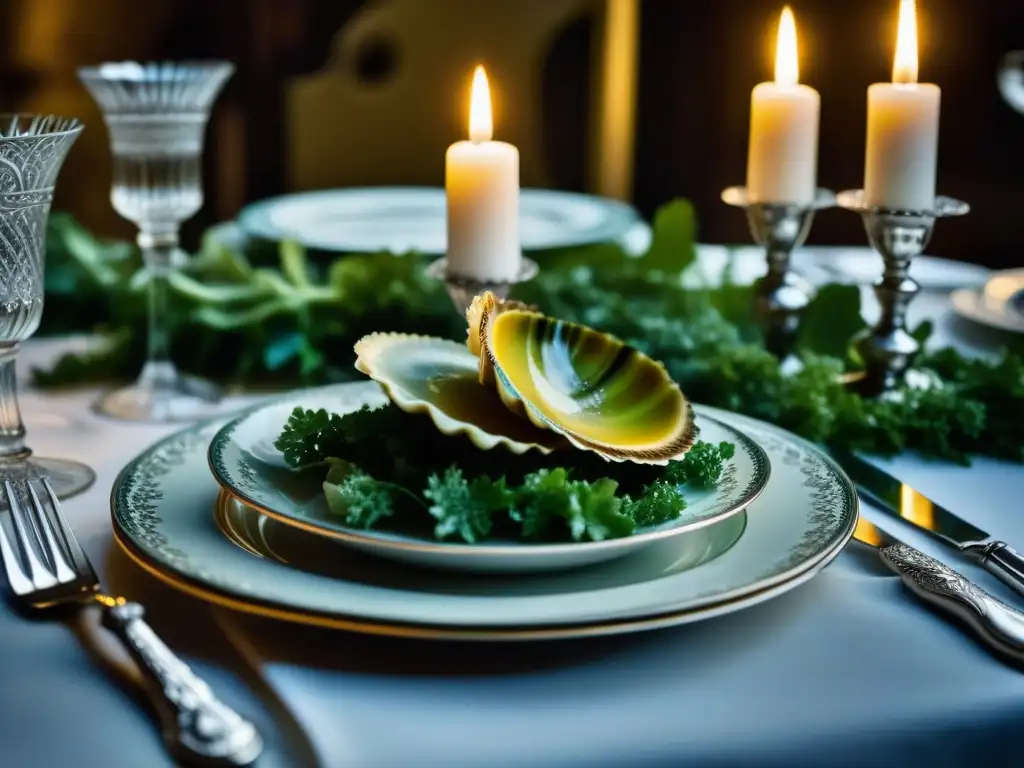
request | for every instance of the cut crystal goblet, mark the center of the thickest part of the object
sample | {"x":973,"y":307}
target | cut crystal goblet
{"x":32,"y":152}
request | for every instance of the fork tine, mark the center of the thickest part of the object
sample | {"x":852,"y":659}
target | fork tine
{"x":61,"y":568}
{"x":79,"y":561}
{"x":38,"y":573}
{"x":16,"y":576}
{"x":33,"y":531}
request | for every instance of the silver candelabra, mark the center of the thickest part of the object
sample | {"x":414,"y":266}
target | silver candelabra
{"x":888,"y":349}
{"x":463,"y":290}
{"x":782,"y":294}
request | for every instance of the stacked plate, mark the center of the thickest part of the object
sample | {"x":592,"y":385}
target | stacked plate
{"x":215,"y":511}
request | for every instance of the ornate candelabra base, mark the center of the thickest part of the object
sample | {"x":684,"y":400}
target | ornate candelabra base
{"x":782,"y":294}
{"x":462,"y":290}
{"x":888,"y":349}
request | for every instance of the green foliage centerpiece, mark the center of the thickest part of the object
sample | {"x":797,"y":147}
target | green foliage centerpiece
{"x":280,"y":317}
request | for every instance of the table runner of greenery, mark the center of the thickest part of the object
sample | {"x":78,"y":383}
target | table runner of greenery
{"x":293,"y":322}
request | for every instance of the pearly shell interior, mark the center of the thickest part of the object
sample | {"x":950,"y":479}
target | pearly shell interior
{"x":439,"y":378}
{"x":594,"y":389}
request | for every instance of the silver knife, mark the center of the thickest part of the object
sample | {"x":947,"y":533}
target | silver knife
{"x":902,"y":501}
{"x":997,"y":625}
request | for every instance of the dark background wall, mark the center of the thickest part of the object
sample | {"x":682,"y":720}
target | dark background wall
{"x":699,"y":60}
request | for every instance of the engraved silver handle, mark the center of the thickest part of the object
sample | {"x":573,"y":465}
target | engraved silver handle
{"x":197,"y":726}
{"x":996,"y":624}
{"x":1001,"y":560}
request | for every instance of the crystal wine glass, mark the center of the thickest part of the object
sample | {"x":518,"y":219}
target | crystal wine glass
{"x":156,"y":114}
{"x":32,"y":151}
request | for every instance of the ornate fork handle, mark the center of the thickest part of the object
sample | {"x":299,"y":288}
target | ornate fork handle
{"x":996,"y":624}
{"x":197,"y":726}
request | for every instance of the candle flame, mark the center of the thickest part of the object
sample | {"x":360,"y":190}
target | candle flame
{"x":787,"y":67}
{"x":905,"y":66}
{"x":481,"y":124}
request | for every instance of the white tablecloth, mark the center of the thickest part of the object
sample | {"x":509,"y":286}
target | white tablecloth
{"x":846,"y":670}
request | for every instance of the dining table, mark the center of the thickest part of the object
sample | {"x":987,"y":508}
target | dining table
{"x":848,"y":669}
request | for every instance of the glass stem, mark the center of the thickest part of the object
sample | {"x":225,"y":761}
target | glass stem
{"x":158,"y":251}
{"x":12,"y":429}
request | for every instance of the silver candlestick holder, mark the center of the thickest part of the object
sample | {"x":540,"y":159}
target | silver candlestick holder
{"x":463,"y":290}
{"x":782,"y":294}
{"x":888,"y":349}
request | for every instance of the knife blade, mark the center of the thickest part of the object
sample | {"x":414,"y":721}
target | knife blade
{"x":996,"y":625}
{"x":903,"y":501}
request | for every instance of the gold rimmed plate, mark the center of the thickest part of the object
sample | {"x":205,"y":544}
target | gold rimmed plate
{"x":162,"y":512}
{"x":423,"y":632}
{"x":244,"y":461}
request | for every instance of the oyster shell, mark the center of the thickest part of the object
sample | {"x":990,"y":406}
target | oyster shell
{"x":488,"y":303}
{"x":439,"y":378}
{"x":594,"y":389}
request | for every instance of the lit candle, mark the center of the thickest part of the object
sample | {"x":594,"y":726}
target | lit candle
{"x":782,"y":162}
{"x":903,"y":130}
{"x":482,"y":186}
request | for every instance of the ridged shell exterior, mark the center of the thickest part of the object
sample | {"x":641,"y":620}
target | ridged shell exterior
{"x":483,"y":306}
{"x":665,"y":400}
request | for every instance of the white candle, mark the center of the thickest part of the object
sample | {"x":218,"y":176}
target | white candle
{"x":903,"y":130}
{"x":782,"y":161}
{"x":482,"y":186}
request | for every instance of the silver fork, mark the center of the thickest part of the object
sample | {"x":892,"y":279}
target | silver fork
{"x":47,"y":567}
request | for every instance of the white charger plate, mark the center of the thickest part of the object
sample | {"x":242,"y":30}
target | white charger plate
{"x":161,"y":512}
{"x":406,"y":219}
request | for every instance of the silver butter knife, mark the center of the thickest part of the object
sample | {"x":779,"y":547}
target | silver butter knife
{"x":902,"y":501}
{"x":998,"y":626}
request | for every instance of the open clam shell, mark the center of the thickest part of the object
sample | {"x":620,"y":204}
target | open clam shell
{"x":589,"y":386}
{"x":439,"y":378}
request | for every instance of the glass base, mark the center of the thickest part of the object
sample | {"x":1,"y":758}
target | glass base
{"x":182,"y":399}
{"x":67,"y":477}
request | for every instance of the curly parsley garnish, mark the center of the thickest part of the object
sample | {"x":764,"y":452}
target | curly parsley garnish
{"x":386,"y":464}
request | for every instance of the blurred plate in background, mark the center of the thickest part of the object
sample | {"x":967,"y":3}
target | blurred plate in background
{"x":1000,"y":304}
{"x":404,"y":219}
{"x":844,"y":264}
{"x":864,"y":267}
